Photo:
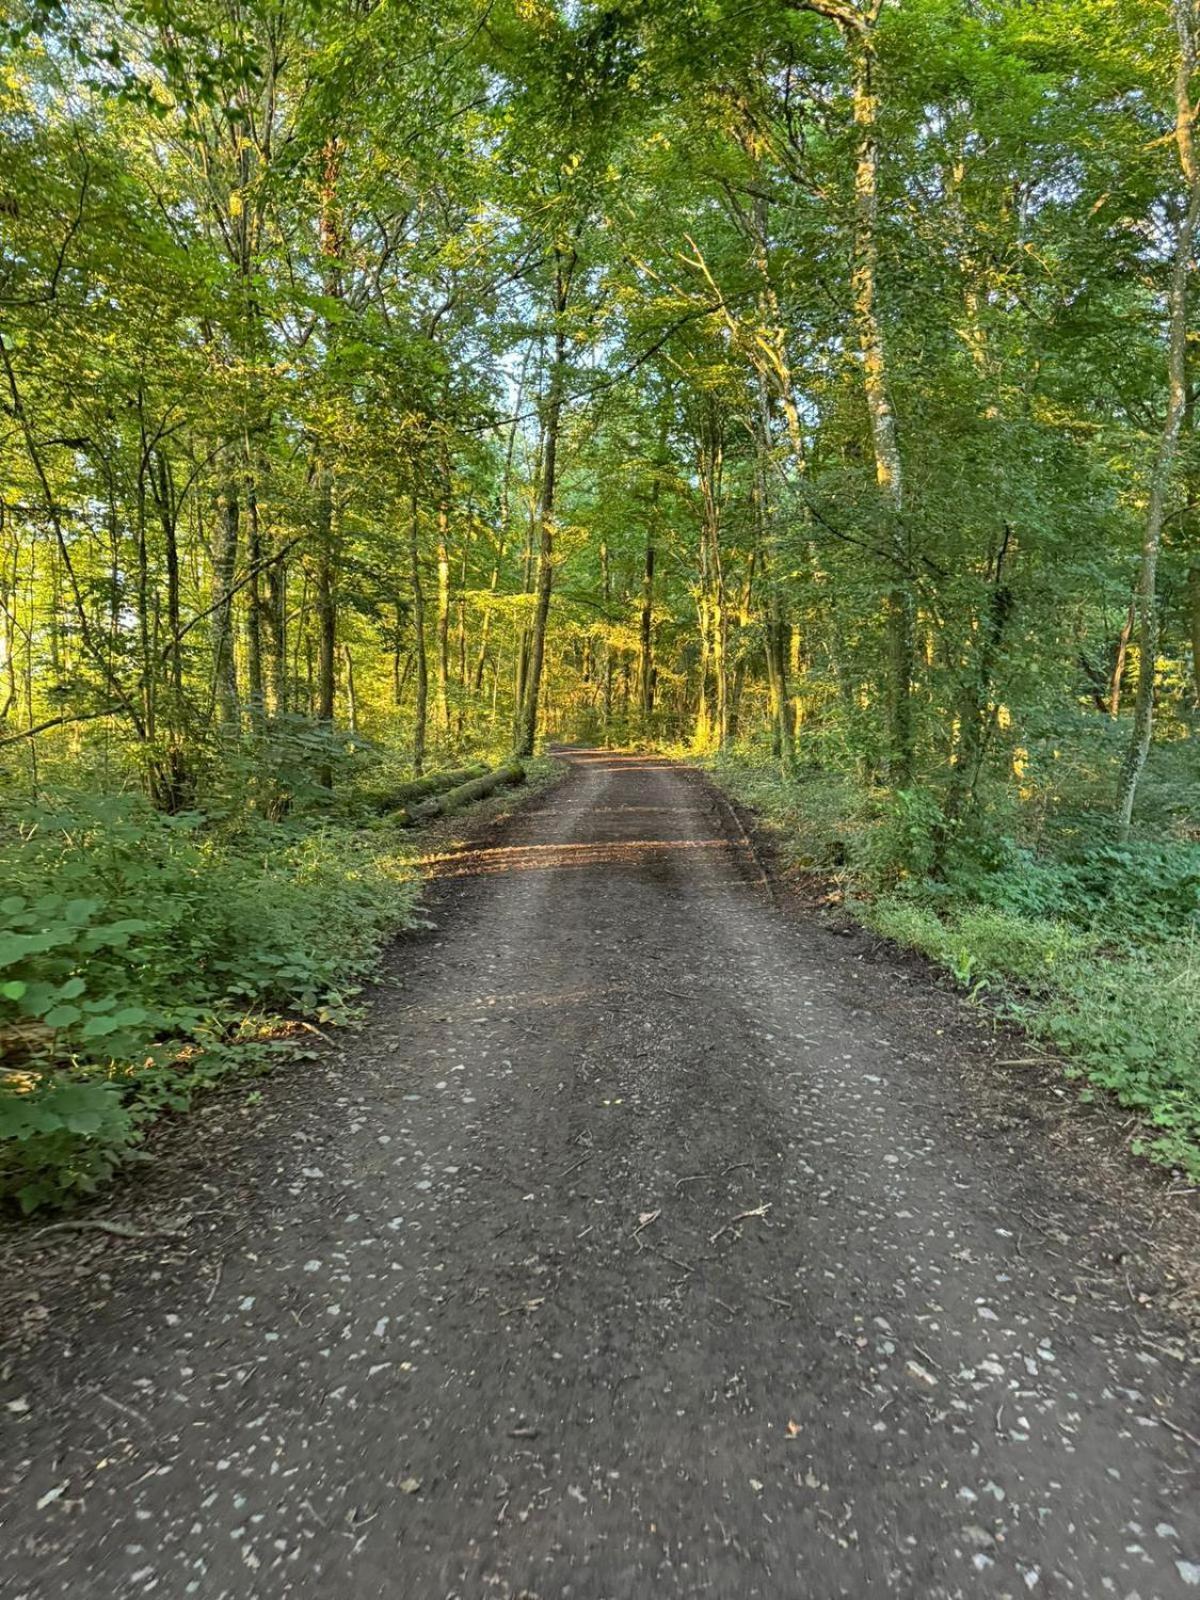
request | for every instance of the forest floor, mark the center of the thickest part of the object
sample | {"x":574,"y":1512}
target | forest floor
{"x":657,"y":1236}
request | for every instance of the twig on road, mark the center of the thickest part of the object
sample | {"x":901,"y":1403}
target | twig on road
{"x":693,"y":1177}
{"x":1182,"y":1432}
{"x":742,"y":1216}
{"x":646,"y":1220}
{"x":121,"y":1230}
{"x":674,"y":1260}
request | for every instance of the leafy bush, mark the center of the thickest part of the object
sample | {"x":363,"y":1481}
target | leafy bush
{"x":821,"y":815}
{"x":1090,"y":943}
{"x":1130,"y":1024}
{"x":980,"y":945}
{"x":1133,"y":1027}
{"x":143,"y":955}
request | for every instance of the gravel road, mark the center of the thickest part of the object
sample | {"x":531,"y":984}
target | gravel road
{"x":648,"y":1243}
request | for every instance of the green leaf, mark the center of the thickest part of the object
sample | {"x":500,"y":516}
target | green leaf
{"x":77,"y":912}
{"x":13,"y":990}
{"x":62,"y":1016}
{"x":16,"y":947}
{"x":97,"y":1027}
{"x":130,"y":1017}
{"x":112,"y":935}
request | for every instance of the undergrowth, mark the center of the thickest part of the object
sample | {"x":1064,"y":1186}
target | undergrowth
{"x":144,"y":957}
{"x":1093,"y":946}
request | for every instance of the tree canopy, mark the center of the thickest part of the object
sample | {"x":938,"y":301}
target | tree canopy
{"x":430,"y":374}
{"x":396,"y":382}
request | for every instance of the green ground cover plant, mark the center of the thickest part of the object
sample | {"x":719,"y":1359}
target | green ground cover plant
{"x":1093,"y":945}
{"x":143,"y":957}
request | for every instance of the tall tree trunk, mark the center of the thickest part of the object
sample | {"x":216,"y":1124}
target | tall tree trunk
{"x":1164,"y":461}
{"x":351,"y":695}
{"x":976,"y":715}
{"x":712,"y":723}
{"x":325,"y":576}
{"x":704,"y":721}
{"x":421,"y":708}
{"x":397,"y":679}
{"x":646,"y":623}
{"x":225,"y":552}
{"x":163,"y":490}
{"x":8,"y":619}
{"x":254,"y":610}
{"x":146,"y":640}
{"x":521,"y":671}
{"x":443,"y":601}
{"x":1193,"y":594}
{"x":502,"y":532}
{"x":606,"y":588}
{"x":646,"y":648}
{"x":564,"y":267}
{"x":275,"y":616}
{"x":901,"y":618}
{"x":461,"y":638}
{"x":776,"y":629}
{"x":325,"y":585}
{"x":1118,"y":672}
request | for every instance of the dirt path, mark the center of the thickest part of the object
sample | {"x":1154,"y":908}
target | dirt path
{"x":644,"y":1247}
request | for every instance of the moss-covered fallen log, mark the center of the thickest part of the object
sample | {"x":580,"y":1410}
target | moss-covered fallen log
{"x":417,"y":789}
{"x":465,"y":794}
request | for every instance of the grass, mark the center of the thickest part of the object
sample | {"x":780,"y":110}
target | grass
{"x":1094,"y":947}
{"x":144,"y":958}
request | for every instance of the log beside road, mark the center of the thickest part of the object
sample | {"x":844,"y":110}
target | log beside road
{"x":465,"y":794}
{"x":407,"y":794}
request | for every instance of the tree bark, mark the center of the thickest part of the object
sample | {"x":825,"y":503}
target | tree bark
{"x":646,"y":648}
{"x":607,"y":681}
{"x":901,"y":619}
{"x":351,"y":693}
{"x":325,"y":577}
{"x":324,"y":584}
{"x":254,"y":610}
{"x":443,"y":602}
{"x":421,"y":708}
{"x":1118,"y":671}
{"x":1164,"y":461}
{"x":225,"y":550}
{"x":976,"y":714}
{"x":564,"y":267}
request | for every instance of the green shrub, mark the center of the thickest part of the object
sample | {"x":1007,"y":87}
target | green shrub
{"x":981,"y":944}
{"x":61,"y":1137}
{"x":142,"y":956}
{"x":1133,"y":1027}
{"x":1091,"y":944}
{"x":1130,"y":1025}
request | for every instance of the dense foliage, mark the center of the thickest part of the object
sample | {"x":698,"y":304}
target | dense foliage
{"x":811,"y":381}
{"x":1094,"y":947}
{"x":150,"y":954}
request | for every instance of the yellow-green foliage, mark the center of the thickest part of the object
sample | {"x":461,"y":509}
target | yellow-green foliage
{"x":143,"y":956}
{"x":1092,"y":945}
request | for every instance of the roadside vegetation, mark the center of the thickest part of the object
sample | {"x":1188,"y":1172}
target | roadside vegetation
{"x":147,"y":956}
{"x":1090,"y":942}
{"x":810,"y":385}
